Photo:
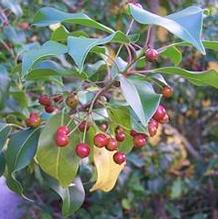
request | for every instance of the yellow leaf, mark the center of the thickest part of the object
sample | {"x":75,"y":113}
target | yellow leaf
{"x":107,"y":170}
{"x":213,"y":66}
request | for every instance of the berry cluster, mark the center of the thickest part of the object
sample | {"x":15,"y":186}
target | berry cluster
{"x":62,"y":140}
{"x":61,"y":136}
{"x":160,"y":116}
{"x":111,"y":144}
{"x":48,"y":102}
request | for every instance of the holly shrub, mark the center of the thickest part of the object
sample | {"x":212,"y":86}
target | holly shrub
{"x":88,"y":98}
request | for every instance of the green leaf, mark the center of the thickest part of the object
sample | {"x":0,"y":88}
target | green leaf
{"x":141,"y":97}
{"x":2,"y":163}
{"x":132,"y":97}
{"x":4,"y":85}
{"x":120,"y":116}
{"x":176,"y":190}
{"x":49,"y":49}
{"x":61,"y":34}
{"x":63,"y":163}
{"x":4,"y":132}
{"x":80,"y":47}
{"x":185,"y":24}
{"x":173,"y":54}
{"x":72,"y":197}
{"x":204,"y":78}
{"x":149,"y":99}
{"x":21,"y":98}
{"x":213,"y":45}
{"x":20,"y":151}
{"x":47,"y":16}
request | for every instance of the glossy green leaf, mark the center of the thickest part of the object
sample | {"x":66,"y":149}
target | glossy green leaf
{"x":61,"y":34}
{"x":80,"y":47}
{"x":173,"y":54}
{"x":21,"y":98}
{"x":5,"y":129}
{"x":49,"y":49}
{"x":72,"y":197}
{"x":149,"y":99}
{"x":4,"y":85}
{"x":21,"y":149}
{"x":132,"y":97}
{"x":2,"y":163}
{"x":142,"y":98}
{"x":60,"y":163}
{"x":204,"y":78}
{"x":213,"y":45}
{"x":47,"y":16}
{"x":185,"y":24}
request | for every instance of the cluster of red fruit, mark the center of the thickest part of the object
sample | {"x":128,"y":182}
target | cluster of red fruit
{"x":49,"y":102}
{"x":62,"y":140}
{"x":111,"y":144}
{"x":160,"y":116}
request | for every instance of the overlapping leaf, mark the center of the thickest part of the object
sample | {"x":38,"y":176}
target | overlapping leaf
{"x":47,"y":16}
{"x":204,"y":78}
{"x":20,"y":151}
{"x":4,"y":132}
{"x":185,"y":24}
{"x":72,"y":197}
{"x":48,"y":49}
{"x":78,"y":48}
{"x":141,"y":97}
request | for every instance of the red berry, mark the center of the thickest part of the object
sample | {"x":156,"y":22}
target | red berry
{"x":33,"y":121}
{"x":83,"y":125}
{"x":167,"y":92}
{"x":140,"y":140}
{"x":119,"y":157}
{"x":63,"y":130}
{"x":61,"y":140}
{"x":151,"y":55}
{"x":100,"y":140}
{"x":153,"y":123}
{"x":50,"y":109}
{"x":82,"y":150}
{"x":133,"y":133}
{"x":120,"y":136}
{"x":45,"y":100}
{"x":112,"y":144}
{"x":152,"y":127}
{"x":104,"y":127}
{"x":160,"y":113}
{"x":165,"y":119}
